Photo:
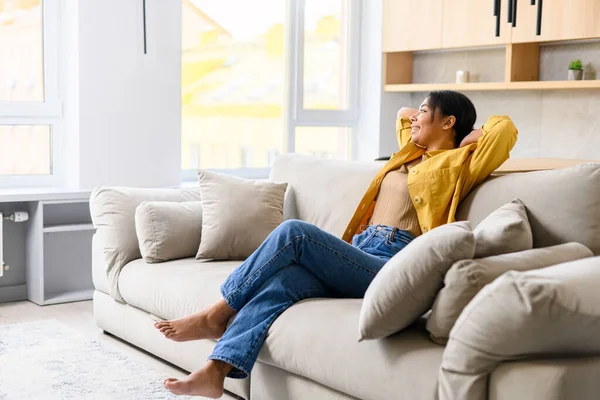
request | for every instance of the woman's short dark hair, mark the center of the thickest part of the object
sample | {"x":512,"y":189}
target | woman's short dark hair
{"x":457,"y":104}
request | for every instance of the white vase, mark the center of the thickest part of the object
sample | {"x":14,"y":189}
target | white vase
{"x":575,"y":74}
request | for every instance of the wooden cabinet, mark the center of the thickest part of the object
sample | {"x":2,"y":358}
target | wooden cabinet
{"x":560,"y":20}
{"x":472,"y":23}
{"x":412,"y":25}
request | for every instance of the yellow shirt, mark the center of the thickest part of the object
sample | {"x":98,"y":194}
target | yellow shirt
{"x":438,"y":184}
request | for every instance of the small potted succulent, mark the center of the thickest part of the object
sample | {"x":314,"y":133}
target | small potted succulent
{"x":575,"y":70}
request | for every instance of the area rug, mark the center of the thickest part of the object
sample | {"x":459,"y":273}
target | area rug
{"x":47,"y":360}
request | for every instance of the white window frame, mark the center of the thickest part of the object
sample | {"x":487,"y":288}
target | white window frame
{"x":295,"y":114}
{"x":49,"y":112}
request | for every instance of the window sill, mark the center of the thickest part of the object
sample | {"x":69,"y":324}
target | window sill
{"x":24,"y":194}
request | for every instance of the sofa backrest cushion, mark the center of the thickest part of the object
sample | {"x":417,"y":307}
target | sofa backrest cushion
{"x":563,"y":205}
{"x":323,"y":192}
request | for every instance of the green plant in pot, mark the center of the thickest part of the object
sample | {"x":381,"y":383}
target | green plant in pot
{"x":575,"y":70}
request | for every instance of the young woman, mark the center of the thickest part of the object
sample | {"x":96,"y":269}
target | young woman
{"x":441,"y":159}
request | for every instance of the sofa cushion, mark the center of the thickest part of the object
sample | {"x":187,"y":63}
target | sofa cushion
{"x":553,"y":310}
{"x":316,"y":339}
{"x":548,"y":379}
{"x":467,"y":277}
{"x":323,"y":192}
{"x":406,"y":286}
{"x":559,"y":203}
{"x":505,"y":230}
{"x":113,"y":215}
{"x":176,"y":288}
{"x":238,"y":214}
{"x":168,"y":230}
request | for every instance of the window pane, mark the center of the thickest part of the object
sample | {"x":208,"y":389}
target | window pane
{"x":25,"y":150}
{"x":325,"y":142}
{"x":325,"y":54}
{"x":232,"y":83}
{"x":21,"y":51}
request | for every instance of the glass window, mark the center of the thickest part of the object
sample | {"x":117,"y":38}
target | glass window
{"x":232,"y":83}
{"x":25,"y":150}
{"x":324,"y":142}
{"x":21,"y":51}
{"x":326,"y":54}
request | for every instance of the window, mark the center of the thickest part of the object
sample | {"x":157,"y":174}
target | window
{"x":30,"y":110}
{"x":283,"y":80}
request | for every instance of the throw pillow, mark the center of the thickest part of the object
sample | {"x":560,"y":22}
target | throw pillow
{"x":467,"y":277}
{"x":238,"y":214}
{"x":168,"y":230}
{"x":544,"y":313}
{"x":505,"y":230}
{"x":406,"y":286}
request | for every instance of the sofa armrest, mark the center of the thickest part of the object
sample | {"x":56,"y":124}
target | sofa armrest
{"x":113,"y":215}
{"x":550,"y":311}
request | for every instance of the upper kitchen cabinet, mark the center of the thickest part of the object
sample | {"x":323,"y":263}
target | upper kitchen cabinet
{"x":550,"y":20}
{"x":412,"y":25}
{"x":475,"y":23}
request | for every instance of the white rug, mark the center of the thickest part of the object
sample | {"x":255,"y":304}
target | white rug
{"x":47,"y":360}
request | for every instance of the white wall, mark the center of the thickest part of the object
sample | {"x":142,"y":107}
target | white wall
{"x":377,"y":127}
{"x":367,"y":140}
{"x":124,"y":112}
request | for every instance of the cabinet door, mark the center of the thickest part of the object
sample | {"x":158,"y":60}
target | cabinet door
{"x":561,"y":20}
{"x":472,"y":23}
{"x":412,"y":25}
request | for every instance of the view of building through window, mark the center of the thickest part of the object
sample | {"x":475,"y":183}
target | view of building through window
{"x":233,"y":82}
{"x":24,"y":149}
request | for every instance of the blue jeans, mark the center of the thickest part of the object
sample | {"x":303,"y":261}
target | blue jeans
{"x":297,"y":261}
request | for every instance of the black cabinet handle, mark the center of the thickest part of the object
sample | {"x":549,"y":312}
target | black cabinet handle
{"x":538,"y":28}
{"x":510,"y":11}
{"x":533,"y":2}
{"x":497,"y":15}
{"x":514,"y":18}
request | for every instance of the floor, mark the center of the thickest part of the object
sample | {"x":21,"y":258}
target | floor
{"x":80,"y":316}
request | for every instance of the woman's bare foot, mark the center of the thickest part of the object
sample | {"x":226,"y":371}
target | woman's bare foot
{"x":206,"y":324}
{"x":207,"y":381}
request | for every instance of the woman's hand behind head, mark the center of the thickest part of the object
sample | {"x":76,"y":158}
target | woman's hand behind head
{"x":471,"y":137}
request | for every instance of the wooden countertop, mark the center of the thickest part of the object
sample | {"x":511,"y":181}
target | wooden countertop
{"x":513,"y":165}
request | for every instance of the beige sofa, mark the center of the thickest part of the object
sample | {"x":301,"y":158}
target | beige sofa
{"x":312,"y":350}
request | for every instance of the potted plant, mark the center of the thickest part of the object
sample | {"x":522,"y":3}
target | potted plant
{"x":575,"y":70}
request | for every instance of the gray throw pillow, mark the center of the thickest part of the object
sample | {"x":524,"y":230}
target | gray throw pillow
{"x":505,"y":230}
{"x":238,"y":214}
{"x":467,"y":277}
{"x":168,"y":230}
{"x":406,"y":286}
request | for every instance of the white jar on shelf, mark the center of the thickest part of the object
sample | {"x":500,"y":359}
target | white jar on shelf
{"x":462,"y":76}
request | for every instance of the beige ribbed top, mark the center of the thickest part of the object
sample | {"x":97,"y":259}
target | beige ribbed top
{"x":394,"y":206}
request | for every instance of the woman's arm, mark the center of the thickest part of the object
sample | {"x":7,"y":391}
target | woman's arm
{"x":403,"y":125}
{"x":491,"y":148}
{"x":406,"y":112}
{"x":472,"y":137}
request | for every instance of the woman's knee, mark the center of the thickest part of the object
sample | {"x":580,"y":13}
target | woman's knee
{"x":296,"y":227}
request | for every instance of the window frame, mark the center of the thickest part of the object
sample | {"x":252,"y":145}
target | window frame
{"x":295,"y":115}
{"x":49,"y":112}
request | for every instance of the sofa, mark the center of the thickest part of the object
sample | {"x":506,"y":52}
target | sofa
{"x":312,"y":351}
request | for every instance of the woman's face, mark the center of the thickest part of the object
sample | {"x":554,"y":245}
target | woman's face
{"x":428,"y":129}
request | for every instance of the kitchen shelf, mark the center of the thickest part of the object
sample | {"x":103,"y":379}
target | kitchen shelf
{"x":520,"y":70}
{"x":552,"y":85}
{"x":426,"y":87}
{"x":527,"y":85}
